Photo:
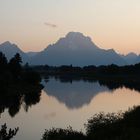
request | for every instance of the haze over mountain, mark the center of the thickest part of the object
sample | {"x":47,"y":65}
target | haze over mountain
{"x":75,"y":49}
{"x":131,"y":58}
{"x":31,"y":54}
{"x":138,"y":59}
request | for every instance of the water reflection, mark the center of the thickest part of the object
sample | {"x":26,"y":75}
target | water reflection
{"x":111,"y":84}
{"x":73,"y":94}
{"x":12,"y":98}
{"x":62,"y":103}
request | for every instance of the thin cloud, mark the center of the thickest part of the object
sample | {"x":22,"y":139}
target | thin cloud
{"x":50,"y":25}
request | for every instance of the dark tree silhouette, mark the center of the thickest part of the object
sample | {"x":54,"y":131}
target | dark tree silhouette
{"x":7,"y":134}
{"x":3,"y":62}
{"x":63,"y":134}
{"x":111,"y":126}
{"x":15,"y":65}
{"x":17,"y":85}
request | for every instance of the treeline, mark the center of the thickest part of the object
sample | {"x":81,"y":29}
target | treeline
{"x":12,"y":71}
{"x":90,"y":70}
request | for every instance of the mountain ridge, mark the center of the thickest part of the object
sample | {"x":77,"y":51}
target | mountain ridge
{"x":10,"y":49}
{"x":78,"y":50}
{"x":75,"y":48}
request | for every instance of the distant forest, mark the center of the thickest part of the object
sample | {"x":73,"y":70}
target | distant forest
{"x":112,"y":76}
{"x":90,"y":71}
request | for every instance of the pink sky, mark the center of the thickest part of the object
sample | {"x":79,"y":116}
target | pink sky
{"x":36,"y":23}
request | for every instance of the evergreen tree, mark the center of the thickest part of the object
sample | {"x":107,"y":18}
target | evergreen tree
{"x":15,"y":65}
{"x":3,"y":62}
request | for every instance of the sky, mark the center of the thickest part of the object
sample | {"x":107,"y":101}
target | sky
{"x":34,"y":24}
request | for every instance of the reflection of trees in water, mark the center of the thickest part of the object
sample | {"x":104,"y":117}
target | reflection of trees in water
{"x":78,"y":92}
{"x":75,"y":94}
{"x":18,"y":85}
{"x":12,"y":98}
{"x":133,"y":83}
{"x":115,"y":85}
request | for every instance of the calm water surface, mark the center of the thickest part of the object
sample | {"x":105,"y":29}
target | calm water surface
{"x":65,"y":104}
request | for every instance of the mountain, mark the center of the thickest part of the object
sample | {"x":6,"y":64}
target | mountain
{"x":131,"y":58}
{"x":31,"y":54}
{"x":75,"y":49}
{"x":78,"y":50}
{"x":10,"y":50}
{"x":137,"y":60}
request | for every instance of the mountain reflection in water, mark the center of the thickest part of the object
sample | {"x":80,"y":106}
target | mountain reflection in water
{"x":77,"y":93}
{"x":63,"y":103}
{"x":73,"y":94}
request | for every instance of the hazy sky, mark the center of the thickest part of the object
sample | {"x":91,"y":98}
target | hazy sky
{"x":33,"y":24}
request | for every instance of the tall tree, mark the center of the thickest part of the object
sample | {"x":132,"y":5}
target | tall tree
{"x":15,"y":65}
{"x":3,"y":62}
